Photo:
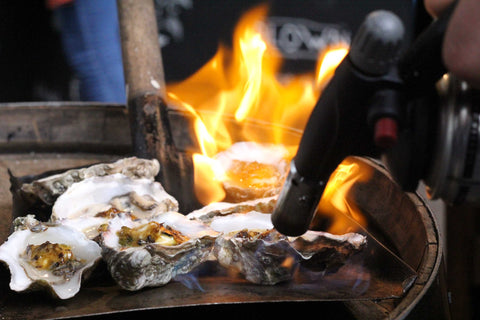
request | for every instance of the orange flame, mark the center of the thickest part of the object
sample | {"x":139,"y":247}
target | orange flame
{"x":241,"y":95}
{"x":337,"y":204}
{"x":244,"y":86}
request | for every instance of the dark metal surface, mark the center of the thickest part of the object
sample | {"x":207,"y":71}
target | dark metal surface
{"x":399,"y":220}
{"x":211,"y":284}
{"x":373,"y":275}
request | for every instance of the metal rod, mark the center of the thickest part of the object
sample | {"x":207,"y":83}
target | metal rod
{"x":148,"y":113}
{"x":142,"y":59}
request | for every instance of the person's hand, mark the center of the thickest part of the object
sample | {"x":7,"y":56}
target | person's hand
{"x":461,"y":47}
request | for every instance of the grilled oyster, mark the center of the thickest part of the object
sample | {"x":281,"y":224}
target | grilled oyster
{"x":144,"y":253}
{"x":46,"y":255}
{"x":92,"y":202}
{"x":250,"y":244}
{"x":207,"y":213}
{"x":326,"y":252}
{"x":252,"y":170}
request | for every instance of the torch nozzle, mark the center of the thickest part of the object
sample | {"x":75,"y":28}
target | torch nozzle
{"x":296,"y":204}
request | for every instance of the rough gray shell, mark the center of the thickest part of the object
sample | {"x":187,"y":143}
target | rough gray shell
{"x":249,"y":244}
{"x":48,"y":189}
{"x":153,"y":264}
{"x":209,"y":212}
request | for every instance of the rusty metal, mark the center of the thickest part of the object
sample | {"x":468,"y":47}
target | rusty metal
{"x":100,"y":128}
{"x":148,"y":112}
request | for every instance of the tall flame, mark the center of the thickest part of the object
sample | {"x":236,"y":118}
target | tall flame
{"x":244,"y":84}
{"x":241,"y":95}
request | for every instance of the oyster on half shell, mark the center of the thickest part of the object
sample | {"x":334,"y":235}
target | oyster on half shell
{"x":216,"y":209}
{"x":144,"y":253}
{"x":37,"y":194}
{"x":92,"y":202}
{"x":252,"y":170}
{"x":45,"y":255}
{"x":49,"y":188}
{"x":250,"y":244}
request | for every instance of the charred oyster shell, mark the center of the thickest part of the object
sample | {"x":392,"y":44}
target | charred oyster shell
{"x":145,"y":258}
{"x":250,"y":244}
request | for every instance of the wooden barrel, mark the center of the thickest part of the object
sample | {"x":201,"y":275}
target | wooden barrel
{"x":406,"y":223}
{"x":35,"y":138}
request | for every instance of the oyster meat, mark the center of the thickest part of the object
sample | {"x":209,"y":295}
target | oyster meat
{"x":252,"y":170}
{"x":92,"y":202}
{"x":46,"y":255}
{"x":144,"y":253}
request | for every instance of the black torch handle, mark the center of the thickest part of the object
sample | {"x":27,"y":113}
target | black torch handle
{"x":338,"y":126}
{"x":422,"y":64}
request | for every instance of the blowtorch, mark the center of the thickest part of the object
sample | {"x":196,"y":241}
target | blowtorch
{"x":382,"y":102}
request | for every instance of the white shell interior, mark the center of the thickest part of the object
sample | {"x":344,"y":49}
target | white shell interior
{"x":93,"y":195}
{"x":190,"y":228}
{"x":80,"y":204}
{"x":238,"y":221}
{"x":23,"y":274}
{"x":227,"y":207}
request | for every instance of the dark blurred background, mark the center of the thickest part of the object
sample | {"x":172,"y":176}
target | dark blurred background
{"x":33,"y":65}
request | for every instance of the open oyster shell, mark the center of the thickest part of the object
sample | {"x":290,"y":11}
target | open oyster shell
{"x":37,"y":194}
{"x":326,"y":252}
{"x":207,"y":213}
{"x":49,"y":188}
{"x":139,"y":259}
{"x":251,"y":245}
{"x":45,"y":255}
{"x":90,"y":203}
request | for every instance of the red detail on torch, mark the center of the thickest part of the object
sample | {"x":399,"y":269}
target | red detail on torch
{"x":386,"y":132}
